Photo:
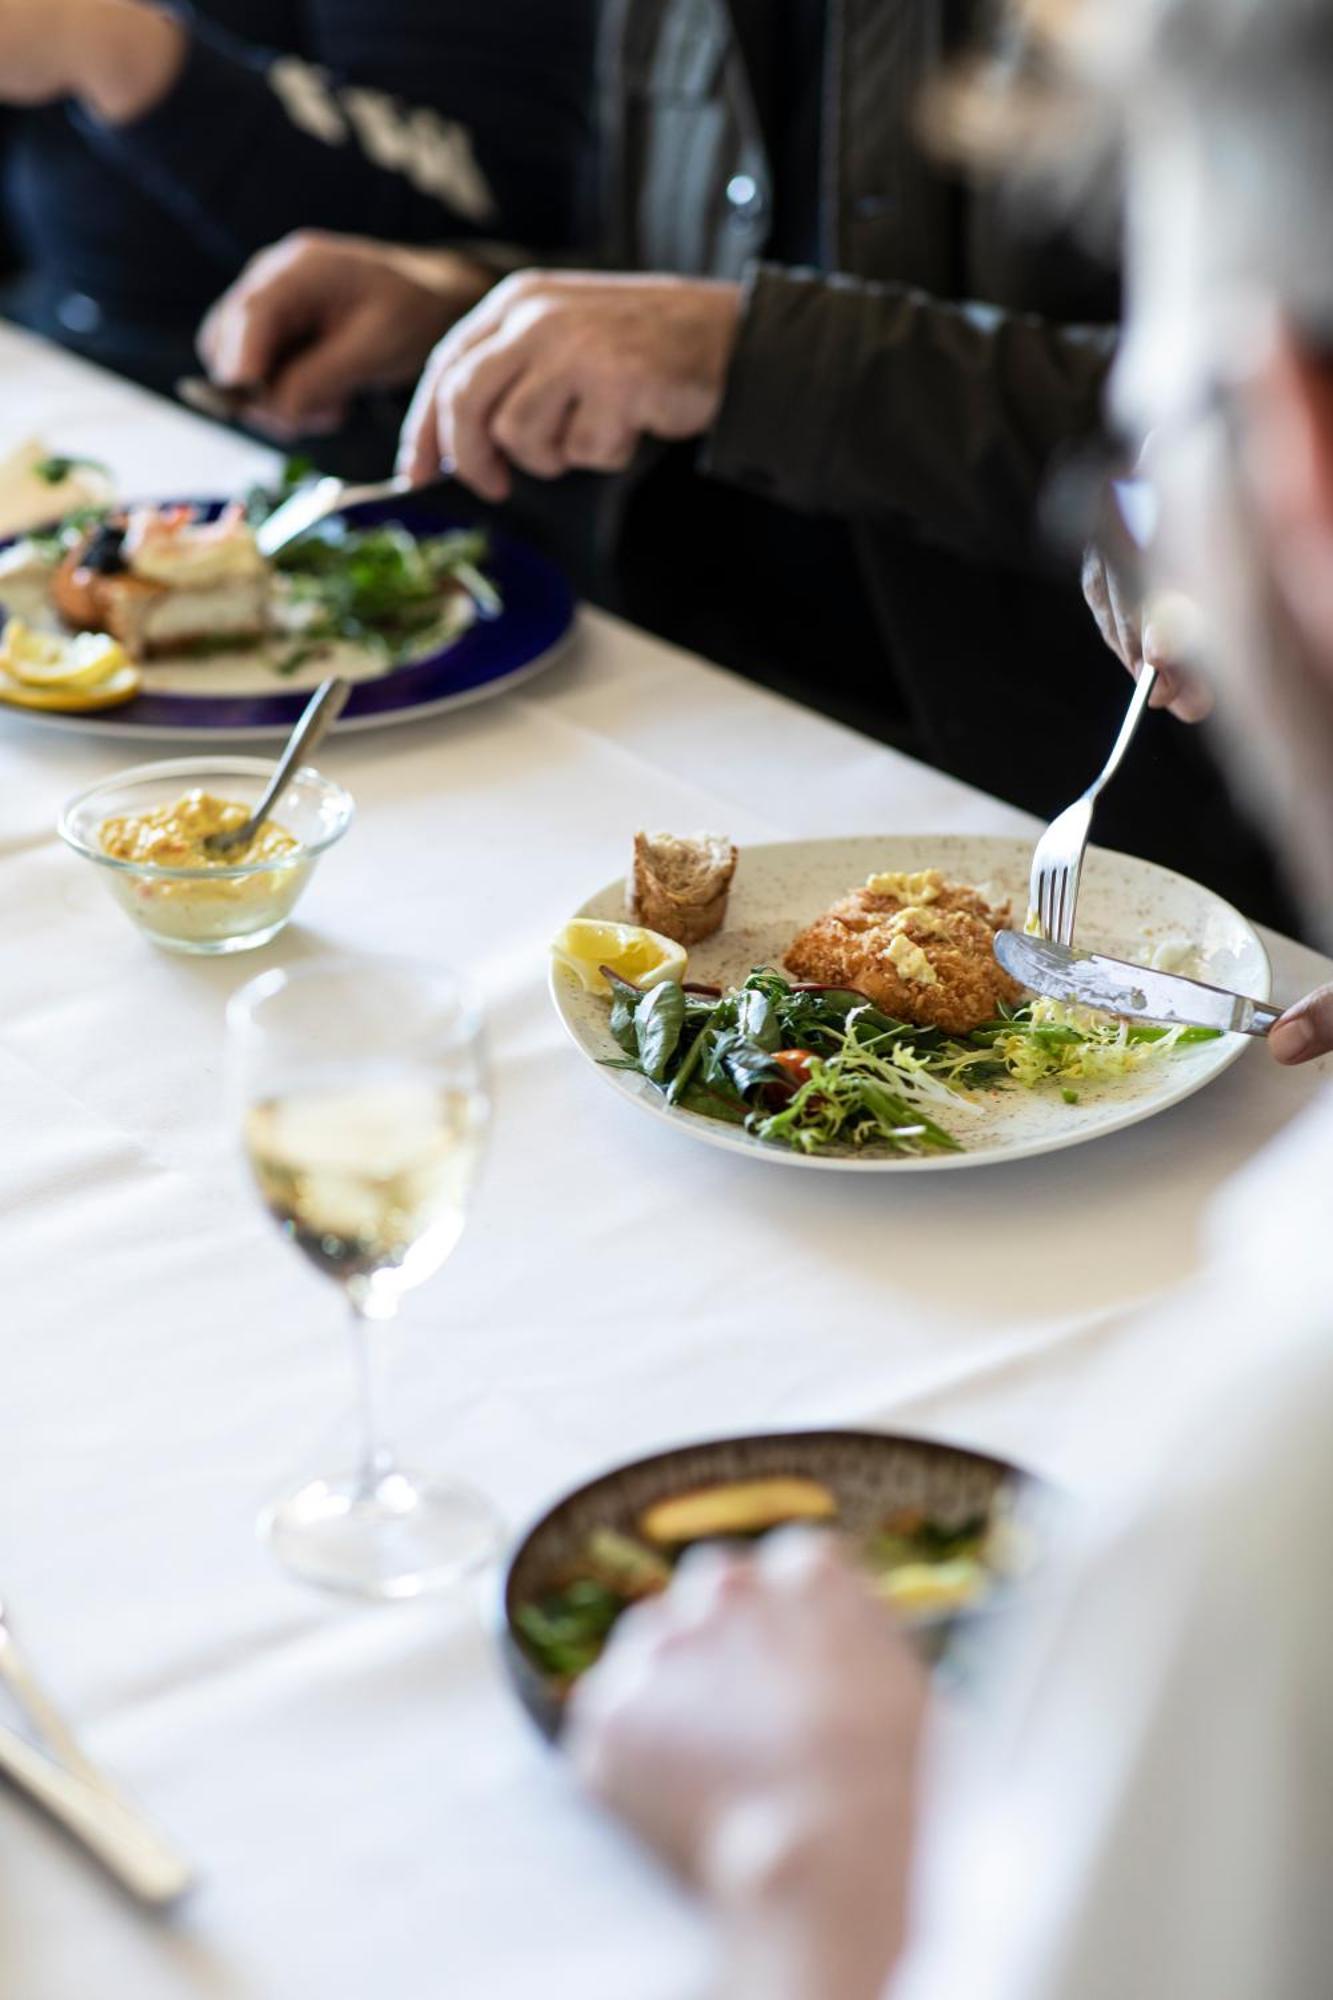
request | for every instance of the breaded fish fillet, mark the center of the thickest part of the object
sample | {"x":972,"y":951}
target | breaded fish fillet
{"x":919,"y":947}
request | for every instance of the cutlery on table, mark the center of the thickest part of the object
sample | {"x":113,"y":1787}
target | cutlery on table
{"x":37,"y":1705}
{"x":1057,"y":861}
{"x":322,"y":710}
{"x":59,"y":1777}
{"x":1136,"y":991}
{"x":111,"y":1829}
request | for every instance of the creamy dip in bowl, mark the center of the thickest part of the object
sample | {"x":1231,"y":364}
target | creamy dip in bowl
{"x":144,"y":830}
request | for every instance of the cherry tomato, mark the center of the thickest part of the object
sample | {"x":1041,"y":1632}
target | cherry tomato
{"x":795,"y":1064}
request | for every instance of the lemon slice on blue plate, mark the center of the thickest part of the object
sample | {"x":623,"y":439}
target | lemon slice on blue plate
{"x":57,"y":659}
{"x":58,"y":671}
{"x":60,"y":697}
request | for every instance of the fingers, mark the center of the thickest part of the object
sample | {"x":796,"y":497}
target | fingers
{"x":448,"y":426}
{"x":596,"y":439}
{"x":1126,"y":619}
{"x":1305,"y":1030}
{"x":250,"y":326}
{"x":1096,"y":581}
{"x":419,"y":456}
{"x":466,"y":403}
{"x":1119,"y":620}
{"x":528,"y":424}
{"x":312,"y":392}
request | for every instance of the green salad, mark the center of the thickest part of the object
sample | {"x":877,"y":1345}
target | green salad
{"x":921,"y":1568}
{"x":813,"y":1066}
{"x":381,"y":587}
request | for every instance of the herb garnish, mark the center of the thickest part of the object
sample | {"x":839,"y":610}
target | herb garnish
{"x":56,"y":469}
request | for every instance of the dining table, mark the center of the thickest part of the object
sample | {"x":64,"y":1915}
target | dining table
{"x":369,"y":1811}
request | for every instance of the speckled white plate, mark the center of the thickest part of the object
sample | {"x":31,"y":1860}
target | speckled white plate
{"x":1127,"y":907}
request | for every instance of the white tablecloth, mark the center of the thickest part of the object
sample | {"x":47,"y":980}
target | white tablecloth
{"x":370,"y":1813}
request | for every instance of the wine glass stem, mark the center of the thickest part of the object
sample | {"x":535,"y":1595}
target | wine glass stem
{"x":375,"y":1460}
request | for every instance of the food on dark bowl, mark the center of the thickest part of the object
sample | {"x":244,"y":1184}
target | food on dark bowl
{"x":930,"y":1524}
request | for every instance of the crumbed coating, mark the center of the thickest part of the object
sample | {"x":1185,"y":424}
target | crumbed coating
{"x":850,"y":944}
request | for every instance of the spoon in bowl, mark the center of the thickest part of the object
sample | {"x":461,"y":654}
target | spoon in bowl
{"x":320,"y":713}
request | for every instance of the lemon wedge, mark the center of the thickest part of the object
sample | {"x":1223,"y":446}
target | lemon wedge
{"x":62,"y":697}
{"x":586,"y":944}
{"x":50,"y":659}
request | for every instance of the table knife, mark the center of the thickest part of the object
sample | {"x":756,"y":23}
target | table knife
{"x":1136,"y":991}
{"x":310,"y":505}
{"x":111,"y":1829}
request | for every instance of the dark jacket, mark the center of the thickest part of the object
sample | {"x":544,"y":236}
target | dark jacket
{"x":903,"y":397}
{"x":923,"y":395}
{"x":380,"y":117}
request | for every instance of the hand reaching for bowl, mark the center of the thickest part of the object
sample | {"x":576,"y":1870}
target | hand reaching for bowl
{"x":758,"y":1727}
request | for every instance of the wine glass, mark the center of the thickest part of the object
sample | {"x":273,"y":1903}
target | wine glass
{"x":361,"y":1092}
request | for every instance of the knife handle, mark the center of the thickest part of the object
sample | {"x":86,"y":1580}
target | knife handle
{"x":111,"y":1830}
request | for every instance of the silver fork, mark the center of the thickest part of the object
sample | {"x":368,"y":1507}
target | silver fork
{"x":1057,"y":860}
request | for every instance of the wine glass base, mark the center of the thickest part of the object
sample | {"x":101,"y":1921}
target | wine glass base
{"x":395,"y":1538}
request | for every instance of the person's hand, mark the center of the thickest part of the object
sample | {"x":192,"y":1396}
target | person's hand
{"x":120,"y":57}
{"x":758,"y":1726}
{"x":316,"y":318}
{"x":1119,"y":617}
{"x":558,"y":373}
{"x":36,"y":50}
{"x":1305,"y":1030}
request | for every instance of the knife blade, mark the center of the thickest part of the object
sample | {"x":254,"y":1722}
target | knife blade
{"x":310,"y":505}
{"x":1116,"y":987}
{"x":112,"y":1830}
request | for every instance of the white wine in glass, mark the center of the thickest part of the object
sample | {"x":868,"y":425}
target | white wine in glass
{"x":364,"y":1113}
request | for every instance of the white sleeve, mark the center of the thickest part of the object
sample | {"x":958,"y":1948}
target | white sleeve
{"x":1150,"y":1817}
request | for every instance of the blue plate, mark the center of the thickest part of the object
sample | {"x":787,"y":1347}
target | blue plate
{"x":490,"y":657}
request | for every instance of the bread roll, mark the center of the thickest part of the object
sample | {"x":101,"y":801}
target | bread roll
{"x":679,"y":886}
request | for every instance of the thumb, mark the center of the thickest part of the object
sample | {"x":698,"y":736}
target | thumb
{"x":1186,"y":694}
{"x":1305,"y":1030}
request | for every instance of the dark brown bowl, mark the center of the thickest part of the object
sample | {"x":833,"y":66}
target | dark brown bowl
{"x":871,"y":1473}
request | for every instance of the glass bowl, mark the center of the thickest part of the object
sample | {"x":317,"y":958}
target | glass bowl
{"x":221,"y":907}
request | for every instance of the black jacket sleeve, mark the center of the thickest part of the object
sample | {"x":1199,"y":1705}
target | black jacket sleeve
{"x":866,"y":400}
{"x":250,"y":143}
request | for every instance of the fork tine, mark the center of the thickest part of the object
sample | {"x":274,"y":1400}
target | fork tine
{"x":1046,"y":907}
{"x":1071,"y":912}
{"x":1064,"y":909}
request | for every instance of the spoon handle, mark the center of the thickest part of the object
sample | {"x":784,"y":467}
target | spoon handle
{"x":326,"y":704}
